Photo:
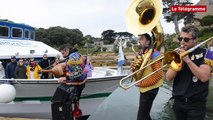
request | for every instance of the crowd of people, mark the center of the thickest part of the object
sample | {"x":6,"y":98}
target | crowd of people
{"x":29,"y":68}
{"x":26,"y":68}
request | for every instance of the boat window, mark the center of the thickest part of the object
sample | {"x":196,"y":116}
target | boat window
{"x":32,"y":35}
{"x":4,"y":31}
{"x":17,"y":32}
{"x":26,"y":34}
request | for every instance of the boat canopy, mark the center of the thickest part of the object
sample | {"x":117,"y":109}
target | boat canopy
{"x":25,"y":49}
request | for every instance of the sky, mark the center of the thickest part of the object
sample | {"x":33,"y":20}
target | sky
{"x":90,"y":16}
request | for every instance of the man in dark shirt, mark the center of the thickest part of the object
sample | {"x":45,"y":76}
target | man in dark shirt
{"x":190,"y":87}
{"x":10,"y":68}
{"x":44,"y":63}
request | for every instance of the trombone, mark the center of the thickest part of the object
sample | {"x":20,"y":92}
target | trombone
{"x":172,"y":59}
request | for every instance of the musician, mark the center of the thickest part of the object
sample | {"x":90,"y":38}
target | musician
{"x":149,"y":87}
{"x":190,"y":87}
{"x":75,"y":69}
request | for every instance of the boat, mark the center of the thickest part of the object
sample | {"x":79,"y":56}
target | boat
{"x":32,"y":98}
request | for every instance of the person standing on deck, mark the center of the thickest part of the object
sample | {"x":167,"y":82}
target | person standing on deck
{"x":10,"y":68}
{"x":33,"y":70}
{"x":150,"y":86}
{"x":44,"y":63}
{"x":20,"y":71}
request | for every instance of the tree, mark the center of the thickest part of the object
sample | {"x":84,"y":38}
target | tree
{"x":41,"y":35}
{"x":169,"y":42}
{"x":189,"y":19}
{"x":108,"y":36}
{"x":89,"y":39}
{"x":174,"y":16}
{"x":56,"y":36}
{"x":124,"y":34}
{"x":207,"y":20}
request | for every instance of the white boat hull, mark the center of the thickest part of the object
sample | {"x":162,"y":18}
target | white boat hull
{"x":33,"y":96}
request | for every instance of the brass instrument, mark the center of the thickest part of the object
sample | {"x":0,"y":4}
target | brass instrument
{"x":58,"y":70}
{"x":172,"y":59}
{"x":143,"y":16}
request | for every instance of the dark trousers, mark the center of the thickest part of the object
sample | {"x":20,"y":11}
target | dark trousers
{"x":145,"y":105}
{"x":189,"y":110}
{"x":79,"y":89}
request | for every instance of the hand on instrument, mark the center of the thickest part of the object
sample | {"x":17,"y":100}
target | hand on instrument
{"x":135,"y":65}
{"x":61,"y":79}
{"x":137,"y":85}
{"x":179,"y":51}
{"x":185,"y":58}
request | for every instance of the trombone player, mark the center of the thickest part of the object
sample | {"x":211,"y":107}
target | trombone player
{"x":190,"y":87}
{"x":149,"y":87}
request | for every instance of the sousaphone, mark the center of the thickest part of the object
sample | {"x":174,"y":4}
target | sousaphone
{"x":143,"y":16}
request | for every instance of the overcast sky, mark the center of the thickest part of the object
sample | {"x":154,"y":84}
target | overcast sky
{"x":90,"y":16}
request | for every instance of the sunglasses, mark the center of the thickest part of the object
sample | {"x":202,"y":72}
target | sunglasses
{"x":185,"y":39}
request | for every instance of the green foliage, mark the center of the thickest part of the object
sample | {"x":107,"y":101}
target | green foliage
{"x":170,"y":42}
{"x":207,"y":20}
{"x":206,"y":33}
{"x":108,"y":36}
{"x":128,"y":44}
{"x":89,"y":39}
{"x":56,"y":36}
{"x":124,"y":34}
{"x":104,"y":49}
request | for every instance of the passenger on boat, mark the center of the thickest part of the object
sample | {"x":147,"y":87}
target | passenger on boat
{"x":75,"y":69}
{"x":89,"y":66}
{"x":10,"y":68}
{"x":57,"y":60}
{"x":44,"y":63}
{"x":33,"y":70}
{"x":21,"y":71}
{"x":26,"y":62}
